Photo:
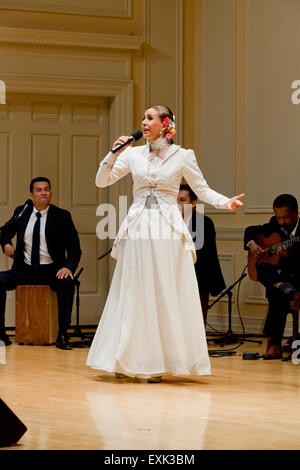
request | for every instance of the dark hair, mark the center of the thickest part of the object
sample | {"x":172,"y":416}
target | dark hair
{"x":37,"y":179}
{"x":163,"y":112}
{"x":286,"y":200}
{"x":186,"y":187}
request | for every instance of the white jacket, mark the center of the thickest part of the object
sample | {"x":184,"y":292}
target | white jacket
{"x":164,"y":183}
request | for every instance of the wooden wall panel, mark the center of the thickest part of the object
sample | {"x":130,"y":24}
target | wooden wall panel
{"x":164,"y":57}
{"x":85,"y":158}
{"x":110,"y":8}
{"x":217,"y":81}
{"x":4,"y":165}
{"x":63,"y":62}
{"x":82,"y":112}
{"x":45,"y":158}
{"x":272,"y":121}
{"x":45,"y":111}
{"x":5,"y":111}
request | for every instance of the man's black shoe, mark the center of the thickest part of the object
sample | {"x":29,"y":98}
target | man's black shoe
{"x":63,"y":343}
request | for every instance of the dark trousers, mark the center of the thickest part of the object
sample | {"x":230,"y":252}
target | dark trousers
{"x":45,"y":274}
{"x":204,"y":297}
{"x":279,"y":307}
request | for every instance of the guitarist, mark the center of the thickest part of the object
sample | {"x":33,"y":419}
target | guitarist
{"x":282,"y":281}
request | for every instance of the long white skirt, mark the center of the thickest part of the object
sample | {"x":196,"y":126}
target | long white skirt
{"x":152,"y":322}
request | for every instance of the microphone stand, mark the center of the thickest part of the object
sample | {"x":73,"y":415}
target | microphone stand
{"x":9,"y":222}
{"x":14,"y":218}
{"x":230,"y":337}
{"x":105,"y":254}
{"x":77,"y":333}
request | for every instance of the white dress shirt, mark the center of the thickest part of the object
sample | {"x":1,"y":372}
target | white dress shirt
{"x":45,"y":258}
{"x":293,"y":233}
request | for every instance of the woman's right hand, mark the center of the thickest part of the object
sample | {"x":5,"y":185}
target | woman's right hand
{"x":121,"y":140}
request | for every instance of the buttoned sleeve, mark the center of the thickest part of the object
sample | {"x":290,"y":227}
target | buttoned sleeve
{"x":195,"y":179}
{"x":112,"y":168}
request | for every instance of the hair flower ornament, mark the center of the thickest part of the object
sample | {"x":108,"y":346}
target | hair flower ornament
{"x":171,"y":128}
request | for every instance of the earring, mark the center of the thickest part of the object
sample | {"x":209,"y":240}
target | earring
{"x":160,"y":134}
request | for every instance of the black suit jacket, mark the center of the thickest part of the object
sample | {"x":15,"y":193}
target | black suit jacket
{"x":251,"y":232}
{"x":207,"y":266}
{"x":60,"y":233}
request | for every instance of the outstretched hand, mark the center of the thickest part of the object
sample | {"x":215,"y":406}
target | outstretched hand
{"x":235,"y":202}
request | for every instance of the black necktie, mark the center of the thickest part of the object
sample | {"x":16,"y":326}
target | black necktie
{"x":35,"y":251}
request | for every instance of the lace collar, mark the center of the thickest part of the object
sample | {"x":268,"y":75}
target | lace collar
{"x":158,"y":144}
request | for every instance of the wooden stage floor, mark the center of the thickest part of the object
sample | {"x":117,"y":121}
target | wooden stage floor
{"x":68,"y":406}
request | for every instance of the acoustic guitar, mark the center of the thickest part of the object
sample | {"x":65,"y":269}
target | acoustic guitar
{"x":270,"y":246}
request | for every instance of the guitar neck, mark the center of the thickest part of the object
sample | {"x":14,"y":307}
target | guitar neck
{"x":288,"y":243}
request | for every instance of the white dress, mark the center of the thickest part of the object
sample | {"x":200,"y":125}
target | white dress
{"x":152,"y":322}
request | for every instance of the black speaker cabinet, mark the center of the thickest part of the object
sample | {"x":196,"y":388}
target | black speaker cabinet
{"x":11,"y":428}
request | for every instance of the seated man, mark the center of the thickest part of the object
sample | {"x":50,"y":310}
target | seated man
{"x":208,"y":270}
{"x":47,"y":252}
{"x":282,"y":281}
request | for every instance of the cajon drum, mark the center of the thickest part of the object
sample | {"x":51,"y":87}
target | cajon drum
{"x":36,"y":315}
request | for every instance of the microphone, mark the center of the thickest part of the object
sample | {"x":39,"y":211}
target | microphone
{"x":136,"y":135}
{"x":27,"y":204}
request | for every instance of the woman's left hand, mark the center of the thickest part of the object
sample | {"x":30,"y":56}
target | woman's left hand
{"x":235,"y":202}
